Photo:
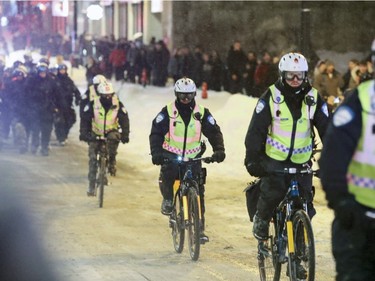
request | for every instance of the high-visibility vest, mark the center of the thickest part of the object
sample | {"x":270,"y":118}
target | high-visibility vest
{"x":103,"y":123}
{"x":361,"y":170}
{"x":180,"y":139}
{"x":286,"y":137}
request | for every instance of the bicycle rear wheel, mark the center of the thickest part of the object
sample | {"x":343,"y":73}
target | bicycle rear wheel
{"x":268,"y":263}
{"x":303,"y":259}
{"x":176,"y":220}
{"x":101,"y":181}
{"x":194,"y":224}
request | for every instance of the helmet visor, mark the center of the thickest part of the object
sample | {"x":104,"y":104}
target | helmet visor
{"x":290,"y":75}
{"x":186,"y":97}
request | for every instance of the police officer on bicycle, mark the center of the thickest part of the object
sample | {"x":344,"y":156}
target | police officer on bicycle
{"x":281,"y":134}
{"x":105,"y":116}
{"x":177,"y":130}
{"x":347,"y":171}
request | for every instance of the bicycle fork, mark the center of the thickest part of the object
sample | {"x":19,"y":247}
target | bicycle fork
{"x":185,"y":206}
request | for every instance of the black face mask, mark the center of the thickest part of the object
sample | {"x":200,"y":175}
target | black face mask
{"x":105,"y":101}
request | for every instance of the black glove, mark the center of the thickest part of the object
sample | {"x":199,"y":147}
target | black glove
{"x":124,"y":139}
{"x":158,"y":159}
{"x":256,"y":170}
{"x":218,"y":156}
{"x":348,"y":212}
{"x":84,"y":137}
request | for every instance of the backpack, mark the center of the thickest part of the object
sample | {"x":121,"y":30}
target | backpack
{"x":252,"y":192}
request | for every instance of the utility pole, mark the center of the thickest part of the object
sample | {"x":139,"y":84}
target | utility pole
{"x":305,"y":43}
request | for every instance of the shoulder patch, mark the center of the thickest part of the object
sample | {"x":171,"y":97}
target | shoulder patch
{"x":342,"y":116}
{"x":325,"y":109}
{"x":86,"y":108}
{"x":159,"y":118}
{"x":211,"y":120}
{"x":260,"y":106}
{"x":124,"y":110}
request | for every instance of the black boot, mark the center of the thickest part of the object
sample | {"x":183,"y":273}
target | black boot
{"x":91,"y":189}
{"x":260,"y":228}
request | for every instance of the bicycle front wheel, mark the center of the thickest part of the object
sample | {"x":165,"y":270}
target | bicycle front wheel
{"x":303,"y":260}
{"x":268,"y":261}
{"x":178,"y":230}
{"x":101,"y":181}
{"x":194,"y":224}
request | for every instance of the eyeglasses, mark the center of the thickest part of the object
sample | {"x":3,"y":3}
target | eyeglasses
{"x":183,"y":96}
{"x":289,"y":75}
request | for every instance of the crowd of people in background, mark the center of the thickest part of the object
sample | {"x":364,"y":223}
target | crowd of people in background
{"x":34,"y":99}
{"x":154,"y":64}
{"x":240,"y":71}
{"x":247,"y":73}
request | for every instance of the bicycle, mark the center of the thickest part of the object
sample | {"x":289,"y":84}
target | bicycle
{"x":291,"y":238}
{"x":101,"y":174}
{"x":186,"y":213}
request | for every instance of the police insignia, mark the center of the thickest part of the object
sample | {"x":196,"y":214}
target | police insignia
{"x":260,"y":106}
{"x":342,"y":116}
{"x":211,"y":120}
{"x":124,"y":110}
{"x":325,"y":109}
{"x":159,"y":118}
{"x":86,"y":108}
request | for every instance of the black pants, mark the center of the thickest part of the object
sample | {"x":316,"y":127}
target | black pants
{"x":113,"y":139}
{"x":64,"y":121}
{"x":273,"y":189}
{"x":41,"y":129}
{"x":354,"y":250}
{"x":169,"y":173}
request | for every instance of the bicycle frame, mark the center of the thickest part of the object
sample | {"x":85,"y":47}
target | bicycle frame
{"x":186,"y":181}
{"x":102,"y":161}
{"x":187,"y":214}
{"x":289,"y":219}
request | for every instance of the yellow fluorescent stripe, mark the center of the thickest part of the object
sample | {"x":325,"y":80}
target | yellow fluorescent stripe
{"x":184,"y":201}
{"x":199,"y":207}
{"x":289,"y":230}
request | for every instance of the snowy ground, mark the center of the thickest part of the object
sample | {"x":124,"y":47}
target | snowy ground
{"x":129,"y":239}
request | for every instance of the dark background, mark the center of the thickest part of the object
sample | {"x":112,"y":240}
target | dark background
{"x":339,"y":26}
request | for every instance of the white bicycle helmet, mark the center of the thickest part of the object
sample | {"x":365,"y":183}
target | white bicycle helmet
{"x":185,"y":86}
{"x":293,"y":62}
{"x":185,"y":90}
{"x":97,"y":79}
{"x":105,"y":88}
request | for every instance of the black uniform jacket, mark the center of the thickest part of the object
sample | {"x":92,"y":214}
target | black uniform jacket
{"x":340,"y":143}
{"x":160,"y":127}
{"x":88,"y":115}
{"x":262,"y":119}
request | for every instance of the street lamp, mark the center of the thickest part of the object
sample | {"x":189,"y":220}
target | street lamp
{"x":94,"y":12}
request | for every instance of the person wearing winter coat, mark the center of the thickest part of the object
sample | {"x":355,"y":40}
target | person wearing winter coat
{"x":43,"y":99}
{"x":236,"y":60}
{"x":281,"y":135}
{"x":66,"y":117}
{"x":104,"y":117}
{"x":177,"y":131}
{"x":347,"y":173}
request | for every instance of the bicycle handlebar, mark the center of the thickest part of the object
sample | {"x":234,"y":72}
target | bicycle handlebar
{"x":293,"y":171}
{"x":306,"y":169}
{"x":181,"y":160}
